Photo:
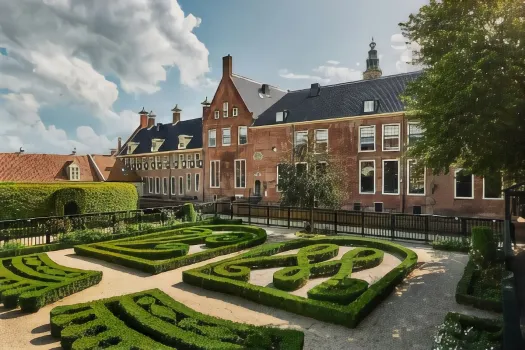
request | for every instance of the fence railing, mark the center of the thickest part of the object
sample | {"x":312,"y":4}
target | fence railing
{"x":383,"y":225}
{"x":45,"y":230}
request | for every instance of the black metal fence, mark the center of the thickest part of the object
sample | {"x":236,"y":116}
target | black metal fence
{"x":425,"y":228}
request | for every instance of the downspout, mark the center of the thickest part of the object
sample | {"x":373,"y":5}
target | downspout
{"x":403,"y":166}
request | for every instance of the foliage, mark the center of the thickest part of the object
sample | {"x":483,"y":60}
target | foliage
{"x":153,"y":320}
{"x":146,"y":253}
{"x":483,"y":251}
{"x":342,"y":299}
{"x":481,"y":288}
{"x":11,"y":246}
{"x":302,"y":234}
{"x":20,"y":200}
{"x":32,"y":281}
{"x":317,"y":181}
{"x":189,"y":212}
{"x":471,"y":98}
{"x":468,"y":332}
{"x":451,"y":244}
{"x":84,"y":236}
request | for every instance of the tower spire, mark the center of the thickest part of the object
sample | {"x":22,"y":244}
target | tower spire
{"x":373,"y":71}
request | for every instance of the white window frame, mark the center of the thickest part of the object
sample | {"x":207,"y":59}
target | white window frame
{"x":360,"y":170}
{"x":188,"y":183}
{"x":456,"y":171}
{"x":165,"y":185}
{"x":210,"y":131}
{"x":301,"y":163}
{"x":173,"y":186}
{"x":366,"y":104}
{"x":181,"y":186}
{"x":197,"y":182}
{"x":157,"y":185}
{"x":408,"y":180}
{"x":216,"y":114}
{"x":151,"y":185}
{"x":235,"y":112}
{"x":359,"y":139}
{"x":222,"y":137}
{"x":235,"y":172}
{"x":189,"y":157}
{"x":279,"y":117}
{"x":277,"y":180}
{"x":239,"y":135}
{"x":408,"y":130}
{"x":493,"y":199}
{"x":320,"y":142}
{"x":398,"y":137}
{"x":398,"y":177}
{"x":225,"y":109}
{"x":305,"y":132}
{"x":197,"y":157}
{"x":218,"y":167}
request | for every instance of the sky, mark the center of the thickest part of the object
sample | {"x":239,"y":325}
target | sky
{"x":75,"y":73}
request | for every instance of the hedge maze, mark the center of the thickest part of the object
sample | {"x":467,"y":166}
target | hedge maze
{"x":32,"y":281}
{"x":341,"y":299}
{"x":153,"y":320}
{"x":162,"y":251}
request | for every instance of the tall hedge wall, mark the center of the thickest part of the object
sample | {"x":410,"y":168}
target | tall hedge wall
{"x":20,"y":200}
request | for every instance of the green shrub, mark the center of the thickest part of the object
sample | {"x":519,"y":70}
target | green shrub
{"x":481,"y":288}
{"x":32,"y":281}
{"x":454,"y":245}
{"x":23,"y":200}
{"x":189,"y":213}
{"x":484,"y":246}
{"x":340,"y":300}
{"x":468,"y":332}
{"x":11,"y":246}
{"x":153,"y":320}
{"x":84,"y":237}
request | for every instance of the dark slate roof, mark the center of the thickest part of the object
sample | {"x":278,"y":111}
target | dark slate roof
{"x":170,"y":134}
{"x":341,"y":100}
{"x":250,"y":93}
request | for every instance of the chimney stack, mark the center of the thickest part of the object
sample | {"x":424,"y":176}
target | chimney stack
{"x":151,"y":119}
{"x":205,"y":108}
{"x":176,"y":114}
{"x":227,"y":66}
{"x":143,"y":118}
{"x":119,"y":144}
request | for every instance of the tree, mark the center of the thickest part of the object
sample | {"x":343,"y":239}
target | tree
{"x":470,"y":99}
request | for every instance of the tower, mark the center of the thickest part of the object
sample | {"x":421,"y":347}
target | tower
{"x":372,"y":64}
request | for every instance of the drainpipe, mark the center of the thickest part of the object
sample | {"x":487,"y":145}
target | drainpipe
{"x":403,"y":167}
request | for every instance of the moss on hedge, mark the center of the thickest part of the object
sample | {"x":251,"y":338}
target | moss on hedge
{"x":32,"y":281}
{"x":21,"y":200}
{"x":340,"y":300}
{"x":153,"y":320}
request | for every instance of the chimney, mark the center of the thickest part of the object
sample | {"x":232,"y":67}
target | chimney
{"x":315,"y":90}
{"x":151,"y":119}
{"x":176,"y":114}
{"x":119,"y":144}
{"x":113,"y":152}
{"x":143,"y":118}
{"x":227,"y":66}
{"x":265,"y":89}
{"x":205,"y":108}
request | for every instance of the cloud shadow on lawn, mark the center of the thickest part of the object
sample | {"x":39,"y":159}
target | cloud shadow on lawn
{"x":109,"y":265}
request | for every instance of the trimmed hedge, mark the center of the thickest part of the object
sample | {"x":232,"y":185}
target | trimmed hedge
{"x":23,"y":200}
{"x":341,"y":299}
{"x":32,"y":281}
{"x":468,"y":332}
{"x":189,"y":212}
{"x":484,"y":246}
{"x":153,"y":320}
{"x":146,"y":252}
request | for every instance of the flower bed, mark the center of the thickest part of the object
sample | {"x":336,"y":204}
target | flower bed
{"x":153,"y":320}
{"x":341,"y":299}
{"x":158,"y":252}
{"x":32,"y":281}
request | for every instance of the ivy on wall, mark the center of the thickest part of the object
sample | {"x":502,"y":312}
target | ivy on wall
{"x":23,"y":200}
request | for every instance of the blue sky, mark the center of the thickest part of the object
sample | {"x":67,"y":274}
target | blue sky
{"x":86,"y":98}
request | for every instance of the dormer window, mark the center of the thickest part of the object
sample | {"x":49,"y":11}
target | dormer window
{"x":155,"y":144}
{"x":132,"y":146}
{"x":369,"y":106}
{"x":74,"y":172}
{"x":225,"y":109}
{"x":184,"y":140}
{"x":280,"y":117}
{"x":217,"y":114}
{"x":235,"y":111}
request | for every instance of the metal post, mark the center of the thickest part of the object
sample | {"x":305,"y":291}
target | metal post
{"x":426,"y":228}
{"x":288,"y":217}
{"x":216,"y":205}
{"x":464,"y":227}
{"x":362,"y":223}
{"x":268,"y":215}
{"x":335,"y":222}
{"x":231,"y":210}
{"x":392,"y":225}
{"x":249,"y":213}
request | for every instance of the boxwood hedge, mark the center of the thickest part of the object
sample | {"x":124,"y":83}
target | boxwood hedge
{"x":32,"y":281}
{"x":153,"y":320}
{"x":162,"y":251}
{"x":341,"y":299}
{"x":24,"y":200}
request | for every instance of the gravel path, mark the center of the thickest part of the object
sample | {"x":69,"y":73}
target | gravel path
{"x":405,"y":320}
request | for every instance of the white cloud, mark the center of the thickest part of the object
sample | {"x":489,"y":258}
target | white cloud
{"x":285,"y":73}
{"x":335,"y":63}
{"x":405,"y":51}
{"x":326,"y":74}
{"x":61,"y":51}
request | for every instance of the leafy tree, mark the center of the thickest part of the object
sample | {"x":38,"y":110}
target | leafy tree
{"x":470,"y":99}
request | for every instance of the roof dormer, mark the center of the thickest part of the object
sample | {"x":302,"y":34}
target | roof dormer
{"x":184,"y":140}
{"x":155,"y":144}
{"x":132,"y":146}
{"x":73,"y":172}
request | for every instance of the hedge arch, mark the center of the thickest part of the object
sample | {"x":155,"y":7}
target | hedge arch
{"x":69,"y":195}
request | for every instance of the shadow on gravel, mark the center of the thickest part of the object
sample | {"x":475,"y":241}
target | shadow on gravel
{"x":110,"y":265}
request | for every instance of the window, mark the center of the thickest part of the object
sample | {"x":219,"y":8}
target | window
{"x":152,"y":162}
{"x":225,"y":109}
{"x":188,"y":182}
{"x":301,"y":168}
{"x":367,"y":138}
{"x":243,"y":135}
{"x":165,"y":186}
{"x":132,"y":163}
{"x":217,"y":114}
{"x":173,"y":186}
{"x":320,"y":168}
{"x":369,"y":106}
{"x":126,"y":162}
{"x":367,"y":171}
{"x":378,"y":207}
{"x":492,"y":187}
{"x":165,"y":162}
{"x":212,"y":138}
{"x":414,"y":132}
{"x":144,"y":163}
{"x":74,"y":172}
{"x":464,"y":184}
{"x":215,"y":197}
{"x":279,"y":117}
{"x":181,"y":185}
{"x":301,"y":138}
{"x":189,"y":157}
{"x":321,"y":140}
{"x":390,"y":176}
{"x":159,"y":164}
{"x":226,"y":137}
{"x":416,"y":210}
{"x":357,"y":206}
{"x":150,"y":184}
{"x":391,"y":137}
{"x":215,"y":173}
{"x":235,"y":111}
{"x":197,"y":182}
{"x":240,"y":173}
{"x":415,"y":178}
{"x":157,"y":185}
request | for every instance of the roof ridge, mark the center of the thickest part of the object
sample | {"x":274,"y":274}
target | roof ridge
{"x":258,"y":82}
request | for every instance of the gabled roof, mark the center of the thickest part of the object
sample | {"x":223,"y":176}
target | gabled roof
{"x":170,"y":134}
{"x":250,"y":94}
{"x":119,"y":173}
{"x":340,"y":100}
